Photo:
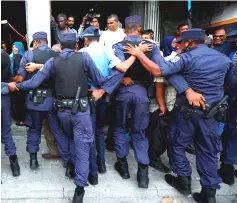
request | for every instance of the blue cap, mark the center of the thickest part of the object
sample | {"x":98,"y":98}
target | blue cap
{"x":68,"y":37}
{"x":92,"y":32}
{"x":232,"y":33}
{"x":192,"y":34}
{"x":39,"y":35}
{"x":133,"y":19}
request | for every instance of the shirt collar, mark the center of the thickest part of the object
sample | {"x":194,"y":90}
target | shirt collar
{"x":133,"y":37}
{"x":67,"y":50}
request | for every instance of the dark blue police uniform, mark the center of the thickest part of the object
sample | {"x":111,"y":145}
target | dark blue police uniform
{"x":79,"y":66}
{"x":6,"y":119}
{"x":229,"y":136}
{"x":204,"y":70}
{"x":133,"y":99}
{"x":38,"y":111}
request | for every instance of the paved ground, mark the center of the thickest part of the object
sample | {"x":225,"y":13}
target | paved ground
{"x":49,"y":185}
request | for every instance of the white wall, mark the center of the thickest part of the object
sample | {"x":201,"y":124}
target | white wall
{"x":37,"y":18}
{"x":230,"y":12}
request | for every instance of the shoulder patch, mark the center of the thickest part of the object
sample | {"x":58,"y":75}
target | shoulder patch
{"x":175,"y":59}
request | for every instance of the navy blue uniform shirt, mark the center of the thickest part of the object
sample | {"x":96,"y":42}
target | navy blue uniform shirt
{"x":48,"y":102}
{"x":48,"y":70}
{"x":203,"y":69}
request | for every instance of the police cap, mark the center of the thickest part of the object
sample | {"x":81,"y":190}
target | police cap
{"x":91,"y":32}
{"x":68,"y":37}
{"x":232,"y":33}
{"x":133,"y":20}
{"x":39,"y":35}
{"x":192,"y":34}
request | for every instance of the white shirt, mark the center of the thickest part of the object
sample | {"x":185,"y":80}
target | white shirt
{"x":109,"y":38}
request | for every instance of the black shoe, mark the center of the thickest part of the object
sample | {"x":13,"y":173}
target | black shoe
{"x":226,"y":172}
{"x":14,"y":165}
{"x":142,"y":176}
{"x":101,"y":168}
{"x":158,"y":165}
{"x":93,"y":180}
{"x":78,"y":198}
{"x":205,"y":196}
{"x":122,"y":167}
{"x":70,"y":171}
{"x":181,"y":183}
{"x":191,"y":149}
{"x":33,"y":161}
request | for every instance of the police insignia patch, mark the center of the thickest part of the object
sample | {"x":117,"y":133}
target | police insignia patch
{"x":175,"y":59}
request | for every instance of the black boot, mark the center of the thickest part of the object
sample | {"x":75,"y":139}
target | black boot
{"x":157,"y":164}
{"x":14,"y":165}
{"x":205,"y":196}
{"x":191,"y":149}
{"x":122,"y":167}
{"x":93,"y":180}
{"x":78,"y":195}
{"x":70,"y":171}
{"x":181,"y":183}
{"x":142,"y":176}
{"x":33,"y":161}
{"x":101,"y":166}
{"x":226,"y":172}
{"x":236,"y":173}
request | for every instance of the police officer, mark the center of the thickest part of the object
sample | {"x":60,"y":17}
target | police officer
{"x":229,"y":136}
{"x":133,"y":98}
{"x":6,"y":120}
{"x":39,"y":104}
{"x":71,"y":71}
{"x":105,"y":61}
{"x":203,"y":69}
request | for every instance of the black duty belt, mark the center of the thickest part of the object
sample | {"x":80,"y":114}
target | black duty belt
{"x":38,"y":96}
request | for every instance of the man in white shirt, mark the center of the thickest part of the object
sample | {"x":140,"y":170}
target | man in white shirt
{"x":114,"y":34}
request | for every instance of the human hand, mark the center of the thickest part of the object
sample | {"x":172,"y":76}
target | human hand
{"x":144,"y":47}
{"x":127,"y":81}
{"x":31,"y":67}
{"x":12,"y":87}
{"x":97,"y":94}
{"x":129,"y":49}
{"x":163,"y":110}
{"x":195,"y":99}
{"x":84,"y":19}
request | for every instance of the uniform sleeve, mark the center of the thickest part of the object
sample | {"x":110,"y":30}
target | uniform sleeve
{"x":231,"y":76}
{"x":4,"y":88}
{"x":112,"y":81}
{"x":178,"y":82}
{"x":43,"y":74}
{"x":113,"y":60}
{"x":92,"y":71}
{"x":28,"y":56}
{"x":118,"y":51}
{"x":173,"y":66}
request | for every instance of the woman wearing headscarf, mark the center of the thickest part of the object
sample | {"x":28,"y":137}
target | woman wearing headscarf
{"x":17,"y":98}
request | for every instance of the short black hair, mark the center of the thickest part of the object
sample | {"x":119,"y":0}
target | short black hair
{"x":116,"y":18}
{"x":62,"y":15}
{"x":69,"y":45}
{"x":70,"y":16}
{"x":181,"y":25}
{"x":131,"y":27}
{"x":147,"y":32}
{"x":40,"y":41}
{"x":219,"y":28}
{"x":3,"y":42}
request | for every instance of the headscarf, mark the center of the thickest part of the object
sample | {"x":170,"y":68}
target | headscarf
{"x":166,"y":47}
{"x":21,"y":51}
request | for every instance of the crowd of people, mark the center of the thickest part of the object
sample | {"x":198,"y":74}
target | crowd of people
{"x":168,"y":96}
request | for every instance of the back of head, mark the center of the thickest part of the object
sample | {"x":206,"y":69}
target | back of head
{"x":68,"y":40}
{"x":132,"y":24}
